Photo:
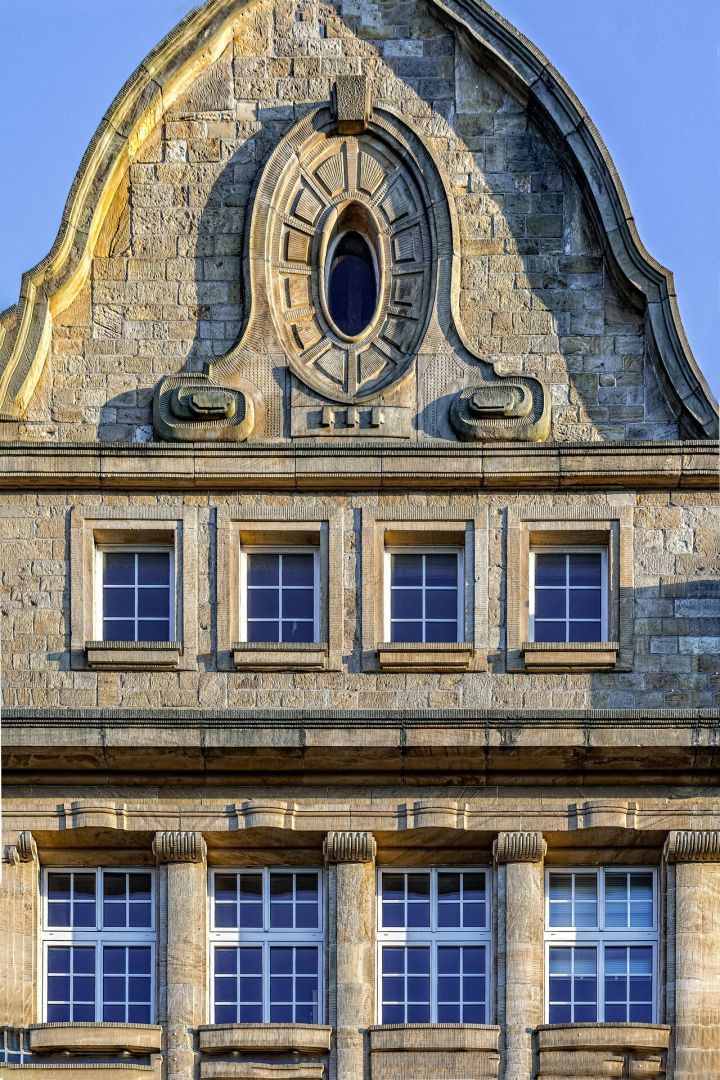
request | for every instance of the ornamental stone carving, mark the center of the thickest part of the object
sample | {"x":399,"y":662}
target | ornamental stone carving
{"x":513,"y":847}
{"x":179,"y":847}
{"x":693,"y":846}
{"x":350,"y":181}
{"x":349,"y":847}
{"x":24,"y":851}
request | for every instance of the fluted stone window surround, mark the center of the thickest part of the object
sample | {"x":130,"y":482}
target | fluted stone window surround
{"x":314,"y":525}
{"x":606,"y":526}
{"x":408,"y":526}
{"x":132,"y":527}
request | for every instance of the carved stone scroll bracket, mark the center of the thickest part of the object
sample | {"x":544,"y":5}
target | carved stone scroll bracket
{"x":179,"y":847}
{"x":24,"y":851}
{"x":516,"y":847}
{"x":352,"y":105}
{"x":349,"y":847}
{"x":693,"y":846}
{"x":197,"y":408}
{"x":501,"y":409}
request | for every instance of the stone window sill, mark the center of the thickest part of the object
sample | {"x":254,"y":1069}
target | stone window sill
{"x":265,"y":1038}
{"x":435,"y":1050}
{"x":59,"y":1070}
{"x":431,"y":656}
{"x":604,"y":1048}
{"x":570,"y":656}
{"x":95,"y":1038}
{"x":134,"y":655}
{"x":435,"y":1037}
{"x":280,"y":656}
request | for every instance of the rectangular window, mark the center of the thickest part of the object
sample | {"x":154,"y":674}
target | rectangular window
{"x":602,"y":944}
{"x":99,"y":946}
{"x":568,"y":595}
{"x":266,"y":936}
{"x":434,"y":946}
{"x":424,"y":595}
{"x":280,"y":596}
{"x":136,"y":599}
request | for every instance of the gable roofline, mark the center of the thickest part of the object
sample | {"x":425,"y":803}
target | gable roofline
{"x":198,"y":41}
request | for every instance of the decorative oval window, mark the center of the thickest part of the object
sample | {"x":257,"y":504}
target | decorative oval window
{"x":352,"y":289}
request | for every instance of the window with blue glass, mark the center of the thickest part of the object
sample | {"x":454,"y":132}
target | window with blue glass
{"x":434,"y":946}
{"x":280,"y":599}
{"x":424,"y":596}
{"x":602,"y":944}
{"x":136,"y":600}
{"x":568,"y":595}
{"x":266,"y":937}
{"x":99,"y":946}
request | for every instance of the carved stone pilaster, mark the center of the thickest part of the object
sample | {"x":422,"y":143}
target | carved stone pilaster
{"x":517,"y":847}
{"x":693,"y":846}
{"x":349,"y":847}
{"x":179,"y":847}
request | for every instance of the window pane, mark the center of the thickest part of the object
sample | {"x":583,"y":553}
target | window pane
{"x":153,"y":630}
{"x":585,"y":568}
{"x":118,"y":630}
{"x":119,"y":568}
{"x":406,"y":631}
{"x":406,"y":604}
{"x":406,"y":570}
{"x":153,"y":568}
{"x":441,"y":604}
{"x":119,"y":603}
{"x":298,"y":569}
{"x":153,"y":603}
{"x":263,"y":604}
{"x":550,"y":631}
{"x":550,"y":603}
{"x":298,"y":603}
{"x":263,"y":631}
{"x":585,"y":603}
{"x":585,"y":631}
{"x":549,"y":569}
{"x":405,"y":984}
{"x":441,"y":570}
{"x":263,"y":569}
{"x":298,"y":630}
{"x":441,"y":631}
{"x":71,"y":983}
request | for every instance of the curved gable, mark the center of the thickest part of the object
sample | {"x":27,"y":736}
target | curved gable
{"x":197,"y":44}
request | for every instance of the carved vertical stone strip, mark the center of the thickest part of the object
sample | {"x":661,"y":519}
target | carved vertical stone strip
{"x":519,"y":858}
{"x":696,"y":858}
{"x":19,"y":905}
{"x":182,"y":951}
{"x":351,"y":942}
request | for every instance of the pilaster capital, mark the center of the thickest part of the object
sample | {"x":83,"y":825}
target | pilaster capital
{"x":25,"y":850}
{"x":349,"y":847}
{"x":179,"y":847}
{"x":693,"y":845}
{"x":511,"y":847}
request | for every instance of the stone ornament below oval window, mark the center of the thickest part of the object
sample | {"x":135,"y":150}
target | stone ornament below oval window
{"x":350,"y":181}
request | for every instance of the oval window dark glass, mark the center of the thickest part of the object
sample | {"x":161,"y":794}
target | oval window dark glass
{"x":352,"y":284}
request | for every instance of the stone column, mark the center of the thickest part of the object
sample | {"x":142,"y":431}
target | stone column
{"x":19,"y":903}
{"x":350,"y":858}
{"x":519,"y":859}
{"x":182,"y":948}
{"x":695,"y":859}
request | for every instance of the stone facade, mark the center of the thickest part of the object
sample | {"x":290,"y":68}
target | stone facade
{"x":168,"y":381}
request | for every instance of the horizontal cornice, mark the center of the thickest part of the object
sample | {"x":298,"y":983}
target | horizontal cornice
{"x":307,"y":466}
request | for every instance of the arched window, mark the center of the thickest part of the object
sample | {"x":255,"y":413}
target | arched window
{"x":352,"y":288}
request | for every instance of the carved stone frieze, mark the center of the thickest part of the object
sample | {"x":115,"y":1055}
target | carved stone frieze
{"x":693,"y":846}
{"x":512,"y":847}
{"x":349,"y":847}
{"x":172,"y":847}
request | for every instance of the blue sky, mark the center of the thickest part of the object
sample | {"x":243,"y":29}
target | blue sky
{"x":648,"y":72}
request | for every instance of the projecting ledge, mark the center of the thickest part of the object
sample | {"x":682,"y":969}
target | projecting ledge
{"x":570,"y":656}
{"x":284,"y":656}
{"x":268,"y":1038}
{"x":598,"y":1050}
{"x":429,"y":1051}
{"x":103,"y":1038}
{"x":426,"y":656}
{"x":133,"y":655}
{"x":63,"y":1071}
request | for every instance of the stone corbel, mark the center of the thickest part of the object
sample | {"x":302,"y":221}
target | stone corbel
{"x":24,"y":851}
{"x":693,"y":846}
{"x":179,"y":847}
{"x":352,"y":104}
{"x":199,"y":407}
{"x":349,"y":847}
{"x":518,"y":847}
